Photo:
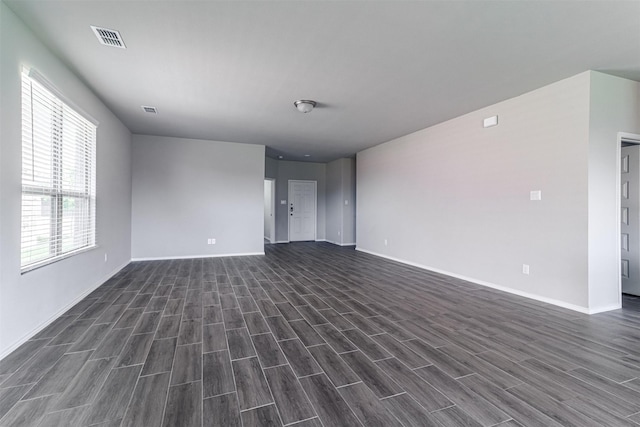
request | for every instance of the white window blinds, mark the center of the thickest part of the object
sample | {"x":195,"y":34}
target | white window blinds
{"x":58,"y":177}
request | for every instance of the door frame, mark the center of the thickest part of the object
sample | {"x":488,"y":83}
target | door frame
{"x":272,"y":235}
{"x":315,"y":207}
{"x":633,"y":138}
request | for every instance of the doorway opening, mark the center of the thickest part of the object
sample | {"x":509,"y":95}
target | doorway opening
{"x":269,"y":211}
{"x":302,"y":210}
{"x":629,"y":196}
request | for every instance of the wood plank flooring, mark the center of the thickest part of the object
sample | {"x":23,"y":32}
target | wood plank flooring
{"x":317,"y":335}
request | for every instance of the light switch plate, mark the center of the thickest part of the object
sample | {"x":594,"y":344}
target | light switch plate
{"x":536,"y":195}
{"x":283,"y":202}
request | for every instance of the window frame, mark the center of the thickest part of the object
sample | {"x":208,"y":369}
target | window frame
{"x":61,"y":109}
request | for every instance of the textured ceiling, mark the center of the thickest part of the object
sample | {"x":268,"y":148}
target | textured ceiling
{"x":230,"y":71}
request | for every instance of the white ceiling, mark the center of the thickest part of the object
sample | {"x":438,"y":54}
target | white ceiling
{"x":230,"y":71}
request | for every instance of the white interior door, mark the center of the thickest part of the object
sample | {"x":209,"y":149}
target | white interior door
{"x":630,"y":219}
{"x":302,"y":210}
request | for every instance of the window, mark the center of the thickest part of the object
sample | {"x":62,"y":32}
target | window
{"x":58,"y":176}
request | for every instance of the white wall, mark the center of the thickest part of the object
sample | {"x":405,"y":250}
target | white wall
{"x":186,"y":191}
{"x":341,"y":189}
{"x":614,"y":107}
{"x":30,"y":301}
{"x":455,"y":197}
{"x":287,"y":170}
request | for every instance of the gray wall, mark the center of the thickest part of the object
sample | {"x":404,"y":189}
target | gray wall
{"x":268,"y":209}
{"x":349,"y":194}
{"x":341,"y":198}
{"x":30,"y":301}
{"x":455,"y":197}
{"x":270,"y":168}
{"x":334,"y":197}
{"x":287,"y":170}
{"x":186,"y":191}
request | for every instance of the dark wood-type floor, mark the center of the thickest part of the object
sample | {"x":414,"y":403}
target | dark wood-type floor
{"x":316,"y":335}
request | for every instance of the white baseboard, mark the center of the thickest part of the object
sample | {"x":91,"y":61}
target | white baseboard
{"x":60,"y":312}
{"x":282,"y":241}
{"x":321,"y":240}
{"x":340,"y":244}
{"x":195,"y":256}
{"x":605,"y":308}
{"x":536,"y":297}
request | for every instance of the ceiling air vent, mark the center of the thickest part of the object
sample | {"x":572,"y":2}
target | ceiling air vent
{"x":148,"y":109}
{"x":108,"y":37}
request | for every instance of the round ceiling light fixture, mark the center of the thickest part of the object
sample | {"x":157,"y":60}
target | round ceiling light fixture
{"x":304,"y":105}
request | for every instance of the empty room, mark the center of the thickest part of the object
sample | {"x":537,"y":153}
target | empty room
{"x":319,"y":213}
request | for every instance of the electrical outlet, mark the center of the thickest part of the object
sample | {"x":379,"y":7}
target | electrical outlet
{"x":386,"y":242}
{"x":525,"y":269}
{"x":338,"y":232}
{"x":213,"y":242}
{"x":105,"y":257}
